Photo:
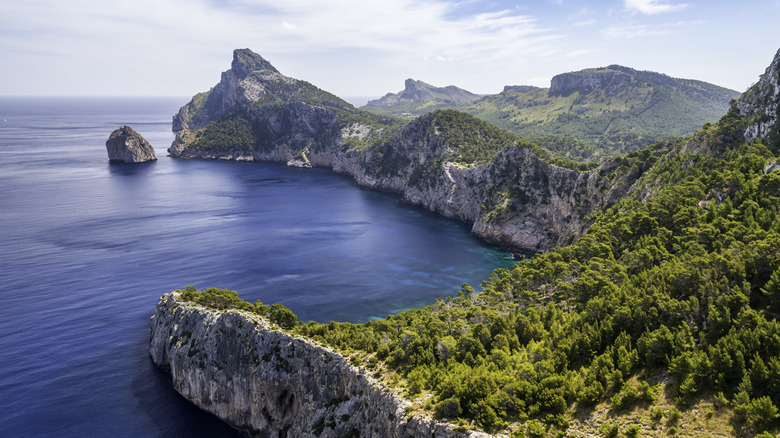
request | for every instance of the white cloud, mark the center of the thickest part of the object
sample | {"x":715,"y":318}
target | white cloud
{"x":161,"y":35}
{"x":584,"y":23}
{"x":652,"y":7}
{"x":580,"y":52}
{"x":644,"y":30}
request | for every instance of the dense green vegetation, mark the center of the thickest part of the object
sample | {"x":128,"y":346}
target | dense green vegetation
{"x":232,"y":133}
{"x":477,"y":141}
{"x":686,"y":283}
{"x":223,"y":299}
{"x":681,"y":281}
{"x":591,"y":125}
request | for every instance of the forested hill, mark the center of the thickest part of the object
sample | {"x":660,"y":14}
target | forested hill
{"x":514,"y":193}
{"x":594,"y":113}
{"x":662,"y":320}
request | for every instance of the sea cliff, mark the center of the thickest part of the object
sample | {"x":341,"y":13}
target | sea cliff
{"x":269,"y":383}
{"x":513,"y":193}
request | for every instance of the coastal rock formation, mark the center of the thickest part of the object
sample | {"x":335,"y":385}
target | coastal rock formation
{"x":269,"y":383}
{"x":759,"y":105}
{"x":126,"y":145}
{"x":509,"y":190}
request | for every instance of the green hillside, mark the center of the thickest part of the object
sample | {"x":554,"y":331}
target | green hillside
{"x":594,"y":113}
{"x":661,"y":321}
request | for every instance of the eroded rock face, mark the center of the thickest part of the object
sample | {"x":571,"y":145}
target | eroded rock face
{"x":760,"y":106}
{"x":268,"y":383}
{"x":567,"y":83}
{"x":516,"y":200}
{"x":126,"y":145}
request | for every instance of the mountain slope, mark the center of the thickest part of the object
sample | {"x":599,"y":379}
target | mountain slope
{"x":514,"y":193}
{"x":612,"y":109}
{"x":662,"y":320}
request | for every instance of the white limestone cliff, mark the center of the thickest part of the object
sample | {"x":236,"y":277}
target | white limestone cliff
{"x":266,"y":382}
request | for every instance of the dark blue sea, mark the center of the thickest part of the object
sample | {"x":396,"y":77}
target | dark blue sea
{"x":88,"y":247}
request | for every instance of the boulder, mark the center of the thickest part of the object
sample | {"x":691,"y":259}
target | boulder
{"x":128,"y":146}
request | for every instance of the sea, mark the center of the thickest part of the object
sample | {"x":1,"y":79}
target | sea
{"x":87,"y":247}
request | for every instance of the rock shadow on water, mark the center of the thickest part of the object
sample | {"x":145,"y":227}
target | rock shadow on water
{"x":120,"y":168}
{"x":168,"y":411}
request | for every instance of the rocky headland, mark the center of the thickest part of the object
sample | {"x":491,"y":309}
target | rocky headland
{"x":127,"y":146}
{"x":268,"y":383}
{"x":512,"y":192}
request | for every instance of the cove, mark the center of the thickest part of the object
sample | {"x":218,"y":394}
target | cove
{"x":88,"y":248}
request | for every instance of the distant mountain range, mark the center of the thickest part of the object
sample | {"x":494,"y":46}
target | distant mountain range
{"x":584,"y":115}
{"x":419,"y":97}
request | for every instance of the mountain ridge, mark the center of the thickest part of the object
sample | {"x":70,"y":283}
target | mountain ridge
{"x":415,"y":91}
{"x":266,"y":116}
{"x":661,"y":320}
{"x":593,"y":113}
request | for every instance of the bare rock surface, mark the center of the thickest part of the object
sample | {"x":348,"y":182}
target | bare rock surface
{"x":516,"y":200}
{"x":126,"y":145}
{"x":268,"y":383}
{"x":760,"y":106}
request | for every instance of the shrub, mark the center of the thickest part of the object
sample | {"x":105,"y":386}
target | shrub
{"x":449,"y":408}
{"x":283,"y":316}
{"x":535,"y":429}
{"x":609,"y":430}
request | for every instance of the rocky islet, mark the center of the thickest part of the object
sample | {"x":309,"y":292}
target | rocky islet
{"x":127,"y":146}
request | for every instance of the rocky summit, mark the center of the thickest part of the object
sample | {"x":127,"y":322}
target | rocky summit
{"x":418,"y":92}
{"x":126,"y":145}
{"x":513,"y":193}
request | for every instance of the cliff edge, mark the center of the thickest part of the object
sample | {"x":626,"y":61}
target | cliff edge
{"x":266,"y":382}
{"x":759,"y":105}
{"x":512,"y":192}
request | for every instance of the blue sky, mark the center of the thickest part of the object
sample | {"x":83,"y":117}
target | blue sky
{"x":368,"y":47}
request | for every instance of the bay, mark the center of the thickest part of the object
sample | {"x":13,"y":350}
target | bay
{"x":87,"y":247}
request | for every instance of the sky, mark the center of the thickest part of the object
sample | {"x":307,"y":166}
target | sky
{"x":369,"y":47}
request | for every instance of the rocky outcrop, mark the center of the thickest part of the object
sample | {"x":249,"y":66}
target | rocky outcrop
{"x":269,"y":383}
{"x":759,"y":105}
{"x":419,"y":91}
{"x":614,"y":78}
{"x":586,"y":81}
{"x":126,"y":145}
{"x":515,"y":199}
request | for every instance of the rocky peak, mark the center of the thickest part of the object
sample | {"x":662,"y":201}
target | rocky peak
{"x":126,"y":145}
{"x":416,"y":90}
{"x":759,"y":105}
{"x":586,"y":81}
{"x":520,"y":88}
{"x":246,"y":61}
{"x":419,"y":91}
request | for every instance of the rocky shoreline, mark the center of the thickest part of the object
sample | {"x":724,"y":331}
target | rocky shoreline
{"x":268,"y":383}
{"x":515,"y":200}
